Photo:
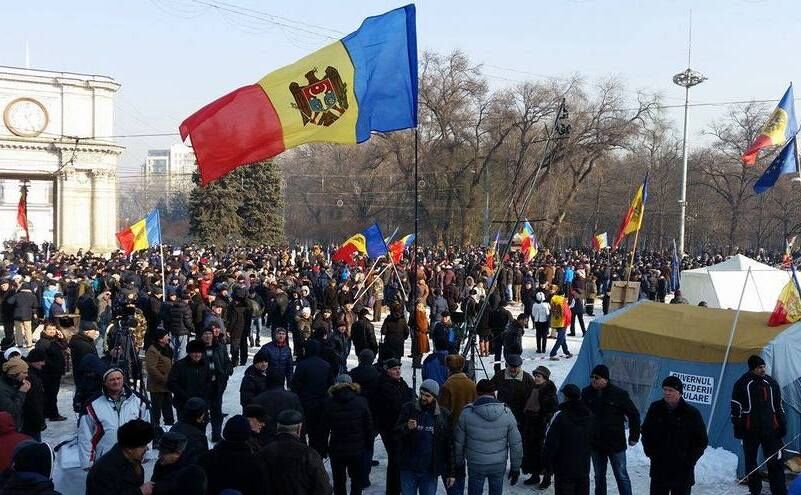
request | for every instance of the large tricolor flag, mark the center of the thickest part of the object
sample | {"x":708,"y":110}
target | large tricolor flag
{"x":397,"y":248}
{"x":142,"y":234}
{"x":365,"y":82}
{"x":22,"y":211}
{"x":780,"y":127}
{"x":490,"y":255}
{"x":633,"y":219}
{"x":600,"y":241}
{"x":788,"y":306}
{"x":528,"y":243}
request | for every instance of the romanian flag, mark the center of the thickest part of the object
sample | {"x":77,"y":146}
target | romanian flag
{"x":349,"y":248}
{"x":780,"y":127}
{"x":600,"y":241}
{"x":369,"y":242}
{"x":141,"y":235}
{"x":365,"y":82}
{"x":788,"y":306}
{"x":528,"y":244}
{"x":633,"y":219}
{"x":397,"y":248}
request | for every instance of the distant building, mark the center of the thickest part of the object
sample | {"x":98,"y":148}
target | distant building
{"x":167,"y":172}
{"x":56,"y":136}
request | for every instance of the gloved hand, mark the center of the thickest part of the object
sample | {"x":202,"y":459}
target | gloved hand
{"x":514,"y":475}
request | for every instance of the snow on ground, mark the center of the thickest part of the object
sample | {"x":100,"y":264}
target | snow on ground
{"x":715,"y":473}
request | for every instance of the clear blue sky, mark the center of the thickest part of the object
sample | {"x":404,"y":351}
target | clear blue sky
{"x":173,"y":56}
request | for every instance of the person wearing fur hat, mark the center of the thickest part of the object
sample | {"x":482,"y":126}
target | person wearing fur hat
{"x":254,"y":381}
{"x":31,"y":470}
{"x":537,"y":413}
{"x":613,"y":409}
{"x":425,"y":443}
{"x":190,"y":377}
{"x":568,"y":444}
{"x":231,"y":463}
{"x":390,"y":394}
{"x":362,"y":333}
{"x":674,"y":439}
{"x":158,"y":363}
{"x":14,"y":386}
{"x":758,"y":417}
{"x":192,"y":422}
{"x":348,"y":429}
{"x":120,"y":470}
{"x":117,"y":405}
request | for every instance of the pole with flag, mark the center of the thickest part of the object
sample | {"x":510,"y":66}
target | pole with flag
{"x":22,"y":209}
{"x":633,"y":221}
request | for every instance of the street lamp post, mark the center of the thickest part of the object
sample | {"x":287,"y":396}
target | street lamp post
{"x":687,"y":80}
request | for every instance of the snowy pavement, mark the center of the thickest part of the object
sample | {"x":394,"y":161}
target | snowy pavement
{"x":715,"y":473}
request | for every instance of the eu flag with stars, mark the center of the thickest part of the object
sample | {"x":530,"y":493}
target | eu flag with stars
{"x":785,"y":163}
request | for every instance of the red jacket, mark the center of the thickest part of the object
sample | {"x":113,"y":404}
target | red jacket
{"x":9,"y":438}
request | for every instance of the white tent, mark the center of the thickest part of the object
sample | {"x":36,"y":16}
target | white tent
{"x":720,"y":285}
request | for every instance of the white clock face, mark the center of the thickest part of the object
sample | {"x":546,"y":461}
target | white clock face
{"x":25,"y":117}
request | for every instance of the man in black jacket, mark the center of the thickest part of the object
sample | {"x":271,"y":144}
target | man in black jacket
{"x":26,"y":306}
{"x":674,"y":438}
{"x":568,"y":444}
{"x":189,"y":377}
{"x":254,"y":381}
{"x":120,"y":471}
{"x":311,"y":381}
{"x":192,"y":424}
{"x":758,"y":418}
{"x":390,"y":394}
{"x":177,"y":319}
{"x":231,"y":464}
{"x":362,"y":333}
{"x":291,"y":467}
{"x":346,"y":417}
{"x":612,"y":408}
{"x":52,"y":343}
{"x":275,"y":400}
{"x":33,"y":409}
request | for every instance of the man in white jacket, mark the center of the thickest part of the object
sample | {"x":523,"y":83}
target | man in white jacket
{"x":118,"y":404}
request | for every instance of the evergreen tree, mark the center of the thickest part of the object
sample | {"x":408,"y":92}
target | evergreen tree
{"x":244,"y":206}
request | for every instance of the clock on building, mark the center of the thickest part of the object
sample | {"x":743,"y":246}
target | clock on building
{"x":25,"y":117}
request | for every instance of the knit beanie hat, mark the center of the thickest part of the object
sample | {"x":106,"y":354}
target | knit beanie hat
{"x":430,"y":386}
{"x":673,"y":382}
{"x":237,"y":429}
{"x":755,"y":362}
{"x":485,"y":387}
{"x":542,"y":370}
{"x":366,"y":356}
{"x":602,"y":371}
{"x":571,"y":392}
{"x":31,"y":456}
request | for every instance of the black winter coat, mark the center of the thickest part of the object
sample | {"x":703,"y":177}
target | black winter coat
{"x":238,"y":318}
{"x":293,"y":468}
{"x":25,"y":305}
{"x":347,"y":418}
{"x":674,"y":441}
{"x":87,"y":305}
{"x":569,"y":441}
{"x":55,"y":361}
{"x":395,"y":331}
{"x":177,"y":318}
{"x":366,"y":375}
{"x":312,"y":377}
{"x":114,"y":474}
{"x":232,"y":465}
{"x":534,"y":426}
{"x":362,"y":333}
{"x":442,"y":458}
{"x":188,"y":379}
{"x":386,"y":401}
{"x":197,"y":443}
{"x":274,"y":401}
{"x":756,"y":407}
{"x":80,"y":346}
{"x":33,"y":408}
{"x":253,"y":383}
{"x":27,"y":483}
{"x":612,"y":408}
{"x":514,"y":392}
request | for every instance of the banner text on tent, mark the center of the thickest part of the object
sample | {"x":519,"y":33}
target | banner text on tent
{"x":697,"y":388}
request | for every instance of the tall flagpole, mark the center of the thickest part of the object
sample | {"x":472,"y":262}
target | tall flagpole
{"x":413,"y":290}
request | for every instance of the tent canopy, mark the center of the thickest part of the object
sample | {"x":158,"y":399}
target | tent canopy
{"x":720,"y":285}
{"x":645,"y":342}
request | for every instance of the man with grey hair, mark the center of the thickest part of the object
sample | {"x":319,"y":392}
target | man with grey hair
{"x":291,"y":466}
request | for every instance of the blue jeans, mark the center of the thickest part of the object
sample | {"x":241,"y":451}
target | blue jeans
{"x":561,"y":340}
{"x":475,"y":483}
{"x":413,"y":482}
{"x":179,"y":346}
{"x":256,"y":325}
{"x":618,"y":462}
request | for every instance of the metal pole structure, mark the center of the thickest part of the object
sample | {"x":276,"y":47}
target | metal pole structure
{"x":687,"y":80}
{"x":486,"y":207}
{"x":413,"y":290}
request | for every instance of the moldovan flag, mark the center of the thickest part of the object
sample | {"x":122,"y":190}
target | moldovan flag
{"x":141,"y":235}
{"x":788,"y":306}
{"x":633,"y":219}
{"x":600,"y":242}
{"x":365,"y":82}
{"x":397,"y":248}
{"x":780,"y":127}
{"x":528,"y":245}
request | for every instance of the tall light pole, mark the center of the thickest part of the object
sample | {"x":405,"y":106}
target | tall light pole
{"x":687,"y":80}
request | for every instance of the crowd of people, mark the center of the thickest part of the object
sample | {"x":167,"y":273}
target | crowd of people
{"x":150,"y":354}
